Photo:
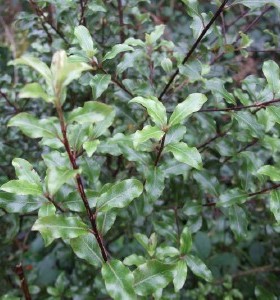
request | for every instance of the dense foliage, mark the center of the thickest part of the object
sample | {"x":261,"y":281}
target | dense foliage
{"x":140,"y":149}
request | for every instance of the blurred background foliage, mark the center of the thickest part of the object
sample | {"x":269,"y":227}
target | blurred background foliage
{"x":245,"y":268}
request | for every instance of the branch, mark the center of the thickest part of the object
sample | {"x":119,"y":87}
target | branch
{"x":80,"y":186}
{"x":23,"y":283}
{"x":160,"y":150}
{"x":195,"y":45}
{"x":237,"y":108}
{"x":17,"y":110}
{"x":83,"y":5}
{"x":121,"y":23}
{"x":48,"y":197}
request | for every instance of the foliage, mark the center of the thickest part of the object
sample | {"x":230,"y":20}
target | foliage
{"x":140,"y":150}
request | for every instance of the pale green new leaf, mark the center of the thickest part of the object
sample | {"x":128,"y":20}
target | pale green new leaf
{"x":167,"y":65}
{"x":185,"y":241}
{"x":272,"y":73}
{"x":85,"y":247}
{"x":90,"y":147}
{"x":272,"y":172}
{"x":99,"y":84}
{"x":155,"y":35}
{"x":120,"y":195}
{"x":36,"y":64}
{"x":119,"y":48}
{"x":47,"y":209}
{"x":34,"y":90}
{"x":192,"y":104}
{"x":57,"y":176}
{"x":22,"y":187}
{"x":33,"y":127}
{"x":179,"y":279}
{"x":25,"y":171}
{"x":199,"y":268}
{"x":58,"y":226}
{"x":238,"y":221}
{"x":118,"y":280}
{"x":148,"y":132}
{"x":185,"y":154}
{"x":155,"y":108}
{"x":275,"y":204}
{"x":151,"y":276}
{"x":91,"y":112}
{"x":85,"y":40}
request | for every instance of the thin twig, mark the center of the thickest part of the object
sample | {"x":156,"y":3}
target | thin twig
{"x":23,"y":283}
{"x":83,"y":5}
{"x":193,"y":48}
{"x":160,"y":150}
{"x":121,"y":22}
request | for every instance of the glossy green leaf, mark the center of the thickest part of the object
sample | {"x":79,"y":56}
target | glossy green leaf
{"x":167,"y":65}
{"x":134,"y":260}
{"x":151,"y":276}
{"x":22,"y":187}
{"x":275,"y":204}
{"x":231,"y":197}
{"x":57,"y":176}
{"x":249,"y":122}
{"x":34,"y":90}
{"x":192,"y":104}
{"x":97,"y":6}
{"x":13,"y":203}
{"x":33,"y":127}
{"x":90,"y":147}
{"x":253,"y":4}
{"x":185,"y":154}
{"x":148,"y":132}
{"x":155,"y":108}
{"x":155,"y":35}
{"x":85,"y":40}
{"x":199,"y":268}
{"x":47,"y":209}
{"x":238,"y":221}
{"x":154,"y":185}
{"x":25,"y":171}
{"x":85,"y":247}
{"x":91,"y":112}
{"x":105,"y":221}
{"x":58,"y":226}
{"x":272,"y":172}
{"x":274,"y":113}
{"x":181,"y":272}
{"x":175,"y":134}
{"x":120,"y":195}
{"x":272,"y":73}
{"x":117,"y":49}
{"x":185,"y":241}
{"x":99,"y":84}
{"x":118,"y":280}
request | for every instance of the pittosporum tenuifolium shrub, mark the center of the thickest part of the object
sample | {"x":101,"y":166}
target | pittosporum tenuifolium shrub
{"x":140,"y":150}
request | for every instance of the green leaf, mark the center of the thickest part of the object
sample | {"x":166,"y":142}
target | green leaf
{"x":253,"y":4}
{"x":238,"y":221}
{"x":90,"y":147}
{"x":155,"y":108}
{"x":148,"y":132}
{"x":57,"y":176}
{"x":91,"y":112}
{"x":134,"y":260}
{"x":155,"y":35}
{"x":22,"y":187}
{"x":119,"y":48}
{"x":154,"y":183}
{"x":47,"y":209}
{"x":185,"y":154}
{"x":249,"y":122}
{"x":96,"y":6}
{"x":167,"y":65}
{"x":99,"y":84}
{"x":25,"y":171}
{"x":120,"y":195}
{"x":245,"y":40}
{"x":192,"y":104}
{"x":85,"y":247}
{"x":179,"y":279}
{"x":34,"y":90}
{"x":151,"y":276}
{"x":33,"y":127}
{"x":272,"y":73}
{"x":185,"y":241}
{"x":20,"y":204}
{"x":274,"y":113}
{"x":85,"y":40}
{"x":58,"y":226}
{"x":175,"y":134}
{"x":37,"y":65}
{"x":199,"y":268}
{"x":118,"y":280}
{"x":275,"y":204}
{"x":149,"y":244}
{"x":231,"y":197}
{"x":105,"y":221}
{"x":272,"y":172}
